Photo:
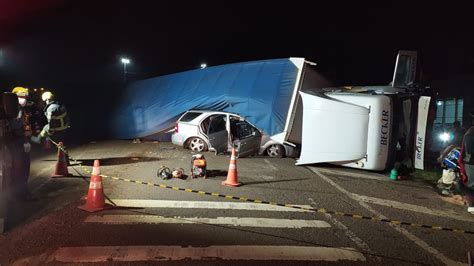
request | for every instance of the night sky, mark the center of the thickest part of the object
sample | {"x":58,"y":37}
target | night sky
{"x":76,"y":45}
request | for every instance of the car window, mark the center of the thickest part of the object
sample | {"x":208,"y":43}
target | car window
{"x":234,"y":132}
{"x":217,"y":123}
{"x":245,"y":130}
{"x":205,"y":124}
{"x":189,"y":116}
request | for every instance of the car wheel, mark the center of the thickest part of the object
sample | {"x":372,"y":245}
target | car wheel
{"x":197,"y":144}
{"x":276,"y":151}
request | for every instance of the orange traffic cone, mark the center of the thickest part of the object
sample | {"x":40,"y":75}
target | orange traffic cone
{"x":95,"y":197}
{"x":232,"y":173}
{"x":61,"y":164}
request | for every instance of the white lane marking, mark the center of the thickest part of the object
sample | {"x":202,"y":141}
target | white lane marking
{"x":413,"y":208}
{"x":344,"y":173}
{"x":234,"y":221}
{"x":407,"y":234}
{"x":351,"y":235}
{"x":167,"y":253}
{"x":270,"y":165}
{"x":205,"y":205}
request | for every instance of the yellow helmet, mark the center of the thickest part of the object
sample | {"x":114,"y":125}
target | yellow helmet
{"x":47,"y":95}
{"x":20,"y":91}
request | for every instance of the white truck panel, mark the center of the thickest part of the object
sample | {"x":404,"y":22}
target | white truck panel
{"x":378,"y":135}
{"x":333,"y":131}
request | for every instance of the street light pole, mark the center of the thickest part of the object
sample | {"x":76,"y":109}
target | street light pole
{"x":125,"y":62}
{"x":124,"y":72}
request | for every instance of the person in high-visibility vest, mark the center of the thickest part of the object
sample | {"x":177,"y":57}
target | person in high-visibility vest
{"x":20,"y":147}
{"x":57,"y":118}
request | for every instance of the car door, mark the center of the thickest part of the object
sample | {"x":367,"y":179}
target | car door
{"x":249,"y":138}
{"x":217,"y":133}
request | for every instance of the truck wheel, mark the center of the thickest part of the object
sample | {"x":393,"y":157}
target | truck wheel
{"x":276,"y":151}
{"x":197,"y":144}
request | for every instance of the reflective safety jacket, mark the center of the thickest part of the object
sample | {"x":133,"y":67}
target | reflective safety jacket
{"x":57,"y":117}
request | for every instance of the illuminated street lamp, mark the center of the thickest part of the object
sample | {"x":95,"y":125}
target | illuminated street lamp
{"x":204,"y":65}
{"x":125,"y":62}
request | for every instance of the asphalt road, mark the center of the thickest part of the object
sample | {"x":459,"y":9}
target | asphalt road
{"x":169,"y":226}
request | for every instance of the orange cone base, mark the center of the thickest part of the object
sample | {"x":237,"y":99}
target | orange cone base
{"x":231,"y":184}
{"x":96,"y":209}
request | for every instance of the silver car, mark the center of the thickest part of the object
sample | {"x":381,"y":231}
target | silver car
{"x":217,"y":131}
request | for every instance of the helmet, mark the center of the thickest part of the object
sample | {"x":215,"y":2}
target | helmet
{"x":47,"y":95}
{"x":20,"y":91}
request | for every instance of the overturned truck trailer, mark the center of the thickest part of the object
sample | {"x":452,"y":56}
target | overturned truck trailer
{"x":285,"y":98}
{"x":262,"y":91}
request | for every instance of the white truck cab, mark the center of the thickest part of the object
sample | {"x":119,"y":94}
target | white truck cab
{"x":347,"y":129}
{"x":350,"y":126}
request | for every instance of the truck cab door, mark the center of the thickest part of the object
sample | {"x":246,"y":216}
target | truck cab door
{"x":248,"y":138}
{"x":217,"y":133}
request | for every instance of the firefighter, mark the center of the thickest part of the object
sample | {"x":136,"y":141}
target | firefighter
{"x":34,"y":116}
{"x":20,"y":147}
{"x":57,"y":120}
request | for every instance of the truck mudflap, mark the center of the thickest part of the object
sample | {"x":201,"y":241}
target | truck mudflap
{"x":333,"y":131}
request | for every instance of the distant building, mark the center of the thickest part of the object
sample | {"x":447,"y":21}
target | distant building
{"x":454,"y":101}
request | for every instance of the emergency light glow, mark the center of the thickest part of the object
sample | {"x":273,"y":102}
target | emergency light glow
{"x":444,"y":136}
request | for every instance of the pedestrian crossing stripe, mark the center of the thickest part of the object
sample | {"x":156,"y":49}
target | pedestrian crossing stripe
{"x":97,"y":254}
{"x":218,"y":205}
{"x":225,"y":221}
